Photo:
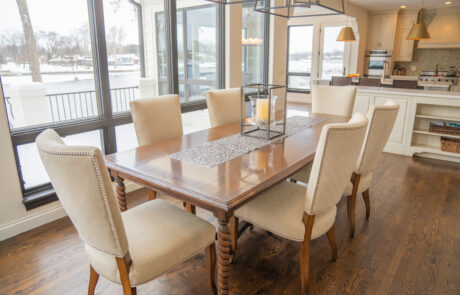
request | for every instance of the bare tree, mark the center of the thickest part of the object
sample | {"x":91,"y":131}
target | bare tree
{"x":115,"y":39}
{"x":13,"y":46}
{"x":31,"y":42}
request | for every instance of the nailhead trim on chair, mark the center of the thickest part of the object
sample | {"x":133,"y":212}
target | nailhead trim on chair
{"x":104,"y":197}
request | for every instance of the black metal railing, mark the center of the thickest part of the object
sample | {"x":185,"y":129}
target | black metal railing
{"x":83,"y":104}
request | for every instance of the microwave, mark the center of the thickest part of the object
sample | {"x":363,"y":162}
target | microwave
{"x":375,"y":61}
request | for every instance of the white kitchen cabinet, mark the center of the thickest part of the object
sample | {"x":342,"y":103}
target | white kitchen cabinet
{"x":397,"y":135}
{"x":403,"y":48}
{"x":382,"y":27}
{"x":362,"y":104}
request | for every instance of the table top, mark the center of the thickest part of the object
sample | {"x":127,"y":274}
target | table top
{"x":227,"y":185}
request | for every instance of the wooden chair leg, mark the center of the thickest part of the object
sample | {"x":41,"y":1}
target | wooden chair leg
{"x":123,"y":268}
{"x":190,"y":208}
{"x":331,"y":238}
{"x":93,"y":278}
{"x":211,"y":257}
{"x":308,"y":221}
{"x":152,"y":195}
{"x":234,"y":233}
{"x":351,"y":204}
{"x":367,"y":202}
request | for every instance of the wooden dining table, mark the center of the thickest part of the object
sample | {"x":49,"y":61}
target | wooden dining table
{"x":220,"y":189}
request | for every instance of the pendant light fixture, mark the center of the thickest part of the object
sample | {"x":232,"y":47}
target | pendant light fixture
{"x":347,"y":34}
{"x":419,"y":31}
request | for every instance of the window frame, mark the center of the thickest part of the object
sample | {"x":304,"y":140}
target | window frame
{"x":107,"y":120}
{"x":298,"y":74}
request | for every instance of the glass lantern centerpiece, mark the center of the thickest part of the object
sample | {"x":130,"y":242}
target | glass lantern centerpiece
{"x":264,"y":120}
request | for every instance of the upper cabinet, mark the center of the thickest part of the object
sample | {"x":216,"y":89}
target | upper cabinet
{"x":403,"y":48}
{"x":382,"y":27}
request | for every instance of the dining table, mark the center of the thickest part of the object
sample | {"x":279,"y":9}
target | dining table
{"x":220,"y":189}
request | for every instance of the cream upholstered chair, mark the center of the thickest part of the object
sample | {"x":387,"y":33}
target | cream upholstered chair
{"x":156,"y":119}
{"x":330,"y":100}
{"x":299,"y":213}
{"x":333,"y":100}
{"x":129,"y":248}
{"x":381,"y":122}
{"x":224,"y":106}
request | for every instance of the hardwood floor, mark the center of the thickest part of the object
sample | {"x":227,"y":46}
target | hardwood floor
{"x":410,"y":245}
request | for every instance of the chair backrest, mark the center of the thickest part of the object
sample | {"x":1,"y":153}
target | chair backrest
{"x":224,"y":106}
{"x":363,"y":81}
{"x":406,"y":84}
{"x":336,"y":155}
{"x":82,"y":184}
{"x":341,"y":81}
{"x":333,"y":100}
{"x":156,"y":119}
{"x":381,"y":122}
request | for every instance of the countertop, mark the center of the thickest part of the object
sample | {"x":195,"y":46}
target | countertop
{"x":410,"y":92}
{"x":389,"y":81}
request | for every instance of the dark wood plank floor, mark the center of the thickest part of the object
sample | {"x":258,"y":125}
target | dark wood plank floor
{"x":410,"y":245}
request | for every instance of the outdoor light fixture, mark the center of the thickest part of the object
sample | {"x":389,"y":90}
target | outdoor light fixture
{"x":300,"y":8}
{"x":419,"y":31}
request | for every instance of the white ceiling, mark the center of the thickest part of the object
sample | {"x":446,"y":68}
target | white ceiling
{"x":395,"y":4}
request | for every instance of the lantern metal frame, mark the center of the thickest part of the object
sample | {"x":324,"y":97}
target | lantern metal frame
{"x":266,"y":90}
{"x":268,"y":9}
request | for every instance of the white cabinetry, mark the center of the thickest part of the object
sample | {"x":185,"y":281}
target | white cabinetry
{"x":397,"y":135}
{"x":382,"y":27}
{"x":362,"y":104}
{"x":403,"y":48}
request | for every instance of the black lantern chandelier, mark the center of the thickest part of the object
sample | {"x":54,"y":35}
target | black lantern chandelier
{"x":293,"y":8}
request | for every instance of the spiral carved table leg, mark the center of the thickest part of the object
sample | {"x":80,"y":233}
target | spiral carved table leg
{"x":121,"y":193}
{"x":223,"y":260}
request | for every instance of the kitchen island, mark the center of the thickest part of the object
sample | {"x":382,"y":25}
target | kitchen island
{"x":418,"y":108}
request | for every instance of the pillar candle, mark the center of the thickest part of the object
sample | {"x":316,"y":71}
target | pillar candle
{"x":262,"y":109}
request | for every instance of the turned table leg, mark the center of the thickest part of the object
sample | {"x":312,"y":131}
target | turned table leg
{"x":223,"y":256}
{"x":121,"y":193}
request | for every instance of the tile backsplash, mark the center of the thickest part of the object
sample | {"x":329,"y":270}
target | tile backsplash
{"x":426,"y":59}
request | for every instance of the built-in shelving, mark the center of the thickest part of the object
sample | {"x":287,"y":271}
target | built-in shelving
{"x":427,"y":132}
{"x":441,"y":118}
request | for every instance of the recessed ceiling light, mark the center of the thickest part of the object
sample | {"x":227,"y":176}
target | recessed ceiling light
{"x":403,"y":6}
{"x":448,"y":2}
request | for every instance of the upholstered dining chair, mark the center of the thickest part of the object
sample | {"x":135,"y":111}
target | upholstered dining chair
{"x":129,"y":248}
{"x":333,"y":100}
{"x":372,"y":82}
{"x":224,"y":106}
{"x":300,"y":213}
{"x":330,"y":100}
{"x":381,"y":121}
{"x":156,"y":119}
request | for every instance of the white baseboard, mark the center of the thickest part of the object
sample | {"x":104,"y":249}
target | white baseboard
{"x":22,"y":225}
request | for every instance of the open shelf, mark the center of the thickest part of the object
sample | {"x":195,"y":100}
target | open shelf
{"x":442,"y":118}
{"x":426,"y":132}
{"x":430,"y":149}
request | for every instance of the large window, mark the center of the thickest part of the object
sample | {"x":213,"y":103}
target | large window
{"x":74,"y":65}
{"x":300,"y":57}
{"x":197,"y":49}
{"x":332,"y":53}
{"x":255,"y":45}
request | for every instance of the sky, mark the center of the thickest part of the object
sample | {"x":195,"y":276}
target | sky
{"x":301,"y":38}
{"x":63,"y":16}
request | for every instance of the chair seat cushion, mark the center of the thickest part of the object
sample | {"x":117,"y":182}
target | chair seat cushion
{"x":280,"y":210}
{"x":160,"y":236}
{"x":303,"y":174}
{"x":364,"y":184}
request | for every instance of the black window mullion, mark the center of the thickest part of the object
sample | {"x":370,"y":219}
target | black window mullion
{"x":171,"y":45}
{"x":185,"y":50}
{"x":221,"y":46}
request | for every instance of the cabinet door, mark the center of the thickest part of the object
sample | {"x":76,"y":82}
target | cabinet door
{"x":403,"y":47}
{"x":398,"y":130}
{"x":388,"y":31}
{"x":362,"y":104}
{"x":375,"y":32}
